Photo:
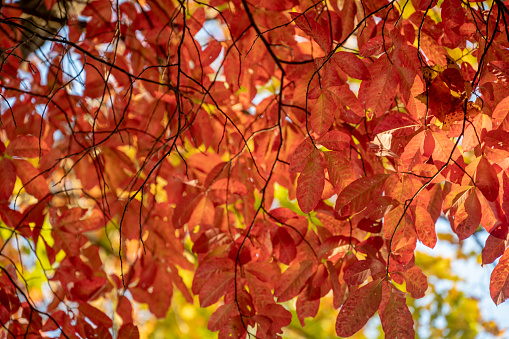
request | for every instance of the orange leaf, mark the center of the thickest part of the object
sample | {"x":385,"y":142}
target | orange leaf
{"x":486,"y":179}
{"x":203,"y":213}
{"x":322,"y":115}
{"x":300,"y":156}
{"x":425,"y":227}
{"x":26,"y":147}
{"x":413,"y":155}
{"x":33,"y":181}
{"x":311,"y":183}
{"x":499,"y":281}
{"x":473,"y":132}
{"x":468,"y":217}
{"x":501,"y":112}
{"x":493,"y":249}
{"x":335,"y":140}
{"x":317,"y":32}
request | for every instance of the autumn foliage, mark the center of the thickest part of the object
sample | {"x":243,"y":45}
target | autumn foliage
{"x":278,"y":150}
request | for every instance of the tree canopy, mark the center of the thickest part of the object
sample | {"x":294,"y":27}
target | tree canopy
{"x":263,"y":156}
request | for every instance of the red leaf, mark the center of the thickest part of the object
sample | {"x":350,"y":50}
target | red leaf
{"x":339,"y":167}
{"x":478,"y":130}
{"x":306,"y":308}
{"x":505,"y":195}
{"x":77,"y":221}
{"x":34,"y":183}
{"x":486,"y":179}
{"x":233,"y":186}
{"x":356,"y":196}
{"x":95,"y":315}
{"x":98,"y":10}
{"x":8,"y":175}
{"x":492,"y":217}
{"x":279,"y":318}
{"x":322,"y":115}
{"x":398,"y":124}
{"x":194,"y":210}
{"x":499,"y":281}
{"x":99,"y":332}
{"x":412,"y":155}
{"x":395,"y":316}
{"x":468,"y":217}
{"x":26,"y":147}
{"x":202,"y":214}
{"x":129,"y":331}
{"x":375,"y":46}
{"x":320,"y":277}
{"x":428,"y":146}
{"x":299,"y":159}
{"x":416,"y":282}
{"x":335,"y":140}
{"x":311,"y":182}
{"x":357,"y":273}
{"x":436,"y":200}
{"x":400,"y":230}
{"x":425,"y":227}
{"x":331,"y":244}
{"x":160,"y":297}
{"x":379,"y":92}
{"x":68,"y":242}
{"x":85,"y":289}
{"x":453,"y":11}
{"x":125,"y":310}
{"x":432,"y":50}
{"x":286,"y":246}
{"x":443,"y":148}
{"x":206,"y":270}
{"x":359,"y":308}
{"x":220,"y":317}
{"x":343,"y":97}
{"x":369,"y":225}
{"x":351,"y":65}
{"x":293,"y":280}
{"x":215,"y":288}
{"x":500,"y":69}
{"x":263,"y":271}
{"x":500,"y":113}
{"x":493,"y":249}
{"x":338,"y":289}
{"x":313,"y":29}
